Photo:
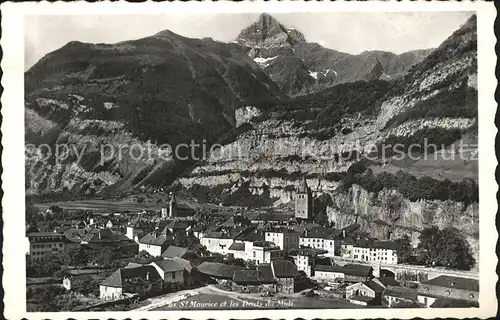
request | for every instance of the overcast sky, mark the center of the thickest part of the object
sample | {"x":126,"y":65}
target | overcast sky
{"x":346,"y":32}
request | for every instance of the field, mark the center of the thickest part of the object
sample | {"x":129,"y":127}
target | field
{"x":151,"y":202}
{"x":100,"y":205}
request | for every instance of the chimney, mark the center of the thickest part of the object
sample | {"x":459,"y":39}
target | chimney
{"x":147,"y":276}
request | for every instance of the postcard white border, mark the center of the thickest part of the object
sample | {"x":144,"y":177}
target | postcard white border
{"x":12,"y":43}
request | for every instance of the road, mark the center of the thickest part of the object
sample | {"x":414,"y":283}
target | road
{"x":214,"y":296}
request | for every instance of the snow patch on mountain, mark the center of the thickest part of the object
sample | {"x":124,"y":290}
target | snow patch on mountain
{"x":313,"y":74}
{"x":263,"y":62}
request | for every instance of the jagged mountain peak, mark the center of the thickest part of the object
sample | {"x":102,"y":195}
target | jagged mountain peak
{"x":269,"y":32}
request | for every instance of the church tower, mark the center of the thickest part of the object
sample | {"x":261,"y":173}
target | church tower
{"x":303,"y":201}
{"x":172,"y":208}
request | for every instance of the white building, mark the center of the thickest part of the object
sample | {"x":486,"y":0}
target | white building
{"x":305,"y":263}
{"x":376,"y":251}
{"x":46,"y":243}
{"x":321,"y":238}
{"x":153,"y":244}
{"x":284,"y":238}
{"x":217,"y":242}
{"x":265,"y":252}
{"x":237,"y":249}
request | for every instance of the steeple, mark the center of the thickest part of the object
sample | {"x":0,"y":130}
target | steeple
{"x":303,"y":201}
{"x":172,"y":212}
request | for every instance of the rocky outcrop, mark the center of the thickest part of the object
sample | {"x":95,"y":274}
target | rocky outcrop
{"x":246,"y":114}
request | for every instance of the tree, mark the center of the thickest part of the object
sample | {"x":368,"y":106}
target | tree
{"x":31,"y":213}
{"x":76,"y":256}
{"x":446,"y":247}
{"x":186,"y":241}
{"x":405,"y":251}
{"x":105,"y":257}
{"x":56,"y":209}
{"x":319,"y":210}
{"x":46,"y":267}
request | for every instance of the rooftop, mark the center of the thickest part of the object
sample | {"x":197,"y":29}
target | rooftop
{"x":348,"y":269}
{"x":319,"y":232}
{"x":169,"y":265}
{"x":374,"y":286}
{"x":266,"y":273}
{"x":361,"y":298}
{"x":174,"y":251}
{"x":284,"y":269}
{"x":453,"y":303}
{"x":138,"y":275}
{"x":45,"y":234}
{"x":246,"y":276}
{"x":374,"y":244}
{"x":154,"y":239}
{"x":237,"y":246}
{"x":217,"y":270}
{"x":454,"y":282}
{"x":401,"y":292}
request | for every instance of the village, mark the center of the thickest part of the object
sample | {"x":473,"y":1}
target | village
{"x":176,"y":257}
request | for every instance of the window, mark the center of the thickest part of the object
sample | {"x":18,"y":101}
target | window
{"x":60,"y":245}
{"x":173,"y":274}
{"x":447,"y":292}
{"x":254,"y":254}
{"x":471,"y":296}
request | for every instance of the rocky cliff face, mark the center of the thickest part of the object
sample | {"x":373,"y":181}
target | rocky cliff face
{"x":300,"y":67}
{"x":321,"y":136}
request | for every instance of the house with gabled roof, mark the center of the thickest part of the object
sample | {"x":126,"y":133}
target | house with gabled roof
{"x":217,"y":271}
{"x":154,"y":243}
{"x":137,"y":227}
{"x":351,"y":273}
{"x":285,"y":274}
{"x":171,"y":272}
{"x":220,"y":241}
{"x":254,"y":280}
{"x":237,"y":249}
{"x":174,"y":251}
{"x":449,"y":290}
{"x":376,"y":251}
{"x":365,"y":293}
{"x":393,"y":295}
{"x":143,"y":280}
{"x":321,"y":238}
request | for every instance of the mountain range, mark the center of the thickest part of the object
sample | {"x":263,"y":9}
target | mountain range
{"x":300,"y":67}
{"x":255,"y":93}
{"x":291,"y":109}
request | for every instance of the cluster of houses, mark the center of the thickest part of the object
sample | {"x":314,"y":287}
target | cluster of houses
{"x":279,"y":251}
{"x":43,"y":244}
{"x":173,"y":272}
